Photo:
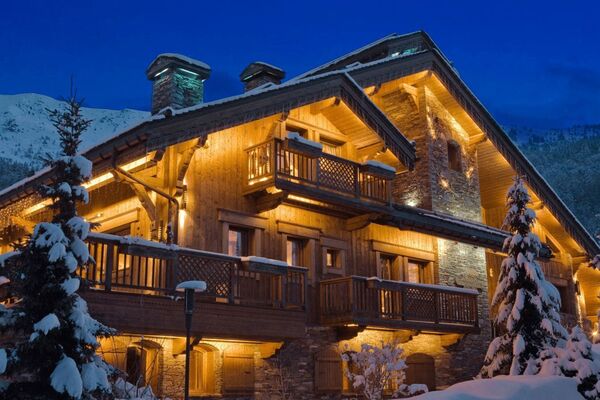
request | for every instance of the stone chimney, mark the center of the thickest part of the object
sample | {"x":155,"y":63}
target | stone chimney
{"x":177,"y":81}
{"x":258,"y":73}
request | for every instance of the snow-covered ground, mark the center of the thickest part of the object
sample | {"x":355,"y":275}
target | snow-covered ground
{"x":26,"y":133}
{"x":509,"y":388}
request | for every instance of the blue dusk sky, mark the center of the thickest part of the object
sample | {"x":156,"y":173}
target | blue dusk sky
{"x":534,"y":63}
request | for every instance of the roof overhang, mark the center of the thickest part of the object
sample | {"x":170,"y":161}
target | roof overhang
{"x":379,"y":72}
{"x":162,"y":131}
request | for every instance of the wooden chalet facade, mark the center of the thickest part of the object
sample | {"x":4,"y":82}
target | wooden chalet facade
{"x":359,"y":202}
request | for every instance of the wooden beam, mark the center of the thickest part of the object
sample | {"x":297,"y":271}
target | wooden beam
{"x":317,"y":108}
{"x":361,"y":221}
{"x":141,"y":193}
{"x":184,"y":163}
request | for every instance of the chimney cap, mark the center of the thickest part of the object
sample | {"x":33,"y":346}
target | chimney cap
{"x":258,"y":68}
{"x":173,"y":60}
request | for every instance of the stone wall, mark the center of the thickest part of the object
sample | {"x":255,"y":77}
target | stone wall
{"x":176,"y":90}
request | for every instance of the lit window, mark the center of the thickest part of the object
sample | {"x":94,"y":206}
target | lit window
{"x":454,"y":156}
{"x":294,"y":251}
{"x":387,"y":266}
{"x":332,"y":259}
{"x":237,"y":242}
{"x":332,"y":147}
{"x":415,"y":272}
{"x":202,"y":371}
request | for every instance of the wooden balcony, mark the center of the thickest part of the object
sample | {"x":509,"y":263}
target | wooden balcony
{"x":298,"y":168}
{"x":133,"y":286}
{"x":364,"y":301}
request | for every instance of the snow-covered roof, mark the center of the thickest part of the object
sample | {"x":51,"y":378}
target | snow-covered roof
{"x":163,"y":60}
{"x":350,"y":54}
{"x":181,"y":57}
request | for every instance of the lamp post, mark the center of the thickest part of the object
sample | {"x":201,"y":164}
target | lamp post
{"x":189,"y":288}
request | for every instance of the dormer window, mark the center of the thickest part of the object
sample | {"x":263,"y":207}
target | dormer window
{"x":454,"y":156}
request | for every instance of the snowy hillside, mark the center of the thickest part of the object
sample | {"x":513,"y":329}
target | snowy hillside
{"x":571,"y":164}
{"x":26,"y":133}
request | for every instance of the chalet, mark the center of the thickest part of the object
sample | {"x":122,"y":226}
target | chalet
{"x":358,"y":202}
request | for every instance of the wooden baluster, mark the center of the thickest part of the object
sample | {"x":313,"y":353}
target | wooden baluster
{"x":233,"y":270}
{"x":403,"y":302}
{"x":109,"y":267}
{"x":436,"y":306}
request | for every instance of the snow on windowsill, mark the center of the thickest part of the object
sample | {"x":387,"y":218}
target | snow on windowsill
{"x":263,"y":260}
{"x":296,"y":136}
{"x":428,"y":285}
{"x":378,"y":164}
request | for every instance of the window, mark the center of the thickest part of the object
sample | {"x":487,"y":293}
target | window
{"x":328,"y":372}
{"x":332,"y":147}
{"x":294,"y":129}
{"x":141,"y":364}
{"x":332,"y":258}
{"x":387,"y":263}
{"x":415,"y":271}
{"x":238,"y":239}
{"x":420,"y":369}
{"x":454,"y":156}
{"x":202,"y":370}
{"x":294,"y":251}
{"x":564,"y":298}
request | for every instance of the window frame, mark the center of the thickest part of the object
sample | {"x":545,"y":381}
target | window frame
{"x":455,"y":159}
{"x":245,"y":238}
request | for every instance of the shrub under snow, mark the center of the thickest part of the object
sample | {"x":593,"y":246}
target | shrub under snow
{"x":374,"y":368}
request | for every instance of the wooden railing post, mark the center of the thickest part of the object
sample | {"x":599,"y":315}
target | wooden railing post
{"x":284,"y":284}
{"x":275,"y":149}
{"x":305,"y":295}
{"x":233,"y":271}
{"x":175,"y":269}
{"x":436,"y":306}
{"x":110,"y":256}
{"x":356,"y":181}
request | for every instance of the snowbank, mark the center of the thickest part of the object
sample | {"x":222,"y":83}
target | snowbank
{"x":509,"y":388}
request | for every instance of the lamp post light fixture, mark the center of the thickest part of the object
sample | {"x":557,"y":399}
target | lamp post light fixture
{"x":189,"y":288}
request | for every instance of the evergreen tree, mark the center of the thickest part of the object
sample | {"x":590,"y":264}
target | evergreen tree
{"x":53,"y":353}
{"x":575,"y":360}
{"x":528,"y":318}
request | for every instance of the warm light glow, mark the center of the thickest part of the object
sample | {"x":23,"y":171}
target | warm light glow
{"x":264,"y":178}
{"x":304,"y":199}
{"x":470,"y":172}
{"x":91,"y":183}
{"x":37,"y":207}
{"x":273,"y":190}
{"x":444,"y":183}
{"x":181,"y":219}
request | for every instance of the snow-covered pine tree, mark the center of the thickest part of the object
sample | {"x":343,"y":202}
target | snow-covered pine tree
{"x":53,"y":351}
{"x":575,"y":360}
{"x":528,"y":318}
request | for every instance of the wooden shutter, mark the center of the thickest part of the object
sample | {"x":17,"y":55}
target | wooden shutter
{"x":328,"y":372}
{"x":421,"y":369}
{"x":238,"y":373}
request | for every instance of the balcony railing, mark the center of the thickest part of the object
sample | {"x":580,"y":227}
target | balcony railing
{"x":154,"y":269}
{"x":279,"y":160}
{"x":371,"y":301}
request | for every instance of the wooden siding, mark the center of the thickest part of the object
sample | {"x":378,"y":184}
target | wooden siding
{"x":151,"y":315}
